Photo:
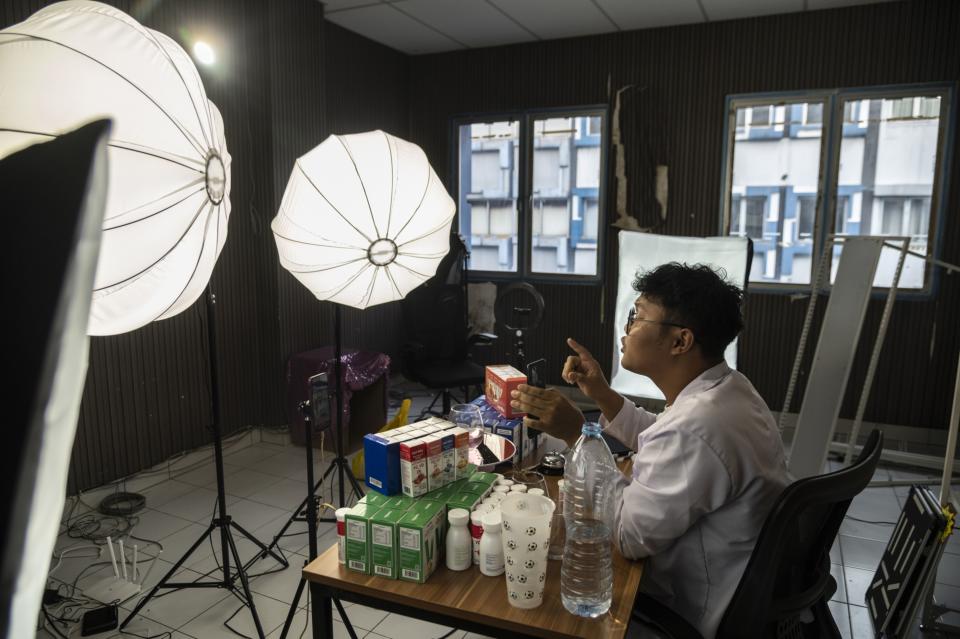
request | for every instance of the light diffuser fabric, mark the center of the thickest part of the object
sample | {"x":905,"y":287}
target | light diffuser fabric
{"x":645,"y":251}
{"x":169,"y":169}
{"x":364,"y":219}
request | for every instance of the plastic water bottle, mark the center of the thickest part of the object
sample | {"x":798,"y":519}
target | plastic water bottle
{"x":586,"y":575}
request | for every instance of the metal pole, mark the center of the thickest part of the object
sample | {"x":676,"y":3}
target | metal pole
{"x":217,"y":444}
{"x":951,"y":441}
{"x":339,"y":382}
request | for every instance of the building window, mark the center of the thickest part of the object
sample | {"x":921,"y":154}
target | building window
{"x":531,"y":192}
{"x":879,"y":176}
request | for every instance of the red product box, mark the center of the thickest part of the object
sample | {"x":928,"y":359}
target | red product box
{"x":500,"y":381}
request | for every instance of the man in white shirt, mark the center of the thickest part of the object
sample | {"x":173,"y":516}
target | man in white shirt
{"x":708,"y":468}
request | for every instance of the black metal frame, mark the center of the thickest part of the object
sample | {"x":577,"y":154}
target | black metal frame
{"x":323,"y":595}
{"x":222,"y":522}
{"x":340,"y":464}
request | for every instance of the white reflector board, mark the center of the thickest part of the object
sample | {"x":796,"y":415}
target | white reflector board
{"x":645,"y":251}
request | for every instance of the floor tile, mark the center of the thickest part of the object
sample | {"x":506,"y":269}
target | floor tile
{"x":875,"y":504}
{"x":949,"y":570}
{"x":864,"y":530}
{"x":197,"y":505}
{"x":248,"y":481}
{"x":836,"y":571}
{"x":841,"y":617}
{"x":396,"y":626}
{"x":209,"y":625}
{"x":302,"y":627}
{"x":282,"y":463}
{"x":858,"y":580}
{"x":175,"y":608}
{"x":250,"y":455}
{"x":251,"y":515}
{"x":362,"y":617}
{"x":860,"y":625}
{"x":861,"y":553}
{"x":947,"y":595}
{"x":206,"y":475}
{"x":167,"y":491}
{"x":281,"y":585}
{"x":156,"y":525}
{"x":284,"y":493}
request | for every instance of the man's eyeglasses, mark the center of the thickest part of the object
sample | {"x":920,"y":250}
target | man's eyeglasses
{"x":632,"y":318}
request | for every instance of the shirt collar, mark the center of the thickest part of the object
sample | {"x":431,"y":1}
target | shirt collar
{"x":703,"y":382}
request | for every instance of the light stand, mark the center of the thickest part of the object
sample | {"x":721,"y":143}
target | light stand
{"x":222,"y":522}
{"x":340,"y":464}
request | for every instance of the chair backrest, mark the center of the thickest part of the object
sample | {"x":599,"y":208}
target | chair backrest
{"x":789,"y":569}
{"x":435,"y":313}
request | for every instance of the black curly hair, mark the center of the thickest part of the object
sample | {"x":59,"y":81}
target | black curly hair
{"x":696,"y":297}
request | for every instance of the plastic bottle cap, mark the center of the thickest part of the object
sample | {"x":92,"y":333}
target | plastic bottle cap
{"x":501,"y":489}
{"x":458,"y":517}
{"x":476,"y":517}
{"x":535,"y":491}
{"x":341,"y":513}
{"x":518,"y":488}
{"x":491,"y":521}
{"x":499,"y":476}
{"x":504,"y":482}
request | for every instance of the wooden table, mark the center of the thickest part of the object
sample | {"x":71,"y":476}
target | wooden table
{"x":471,"y":601}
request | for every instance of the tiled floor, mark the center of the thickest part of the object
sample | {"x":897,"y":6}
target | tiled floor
{"x":265,"y":482}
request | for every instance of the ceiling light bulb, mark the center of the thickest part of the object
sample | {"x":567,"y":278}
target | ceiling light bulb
{"x":203,"y":52}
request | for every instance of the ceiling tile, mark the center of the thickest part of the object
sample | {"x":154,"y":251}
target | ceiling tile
{"x":647,"y":14}
{"x":384,"y":24}
{"x":330,"y":6}
{"x":730,"y":9}
{"x":557,"y":18}
{"x":475,"y":23}
{"x":814,"y":5}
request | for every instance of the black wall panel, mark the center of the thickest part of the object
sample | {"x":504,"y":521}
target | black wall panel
{"x":674,"y":116}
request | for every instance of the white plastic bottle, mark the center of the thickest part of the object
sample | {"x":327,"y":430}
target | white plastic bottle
{"x":476,"y":533}
{"x":459,"y":542}
{"x":491,"y":545}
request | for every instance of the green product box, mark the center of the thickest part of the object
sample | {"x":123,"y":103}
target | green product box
{"x":357,"y":538}
{"x":420,"y":539}
{"x":457,"y":486}
{"x":467,"y":501}
{"x":398,"y":502}
{"x":383,"y":542}
{"x":376,"y":500}
{"x":477,"y":488}
{"x":486,"y":478}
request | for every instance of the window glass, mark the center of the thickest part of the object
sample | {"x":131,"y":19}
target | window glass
{"x":566,"y":163}
{"x":887,"y":170}
{"x":776,"y":173}
{"x":489,"y":154}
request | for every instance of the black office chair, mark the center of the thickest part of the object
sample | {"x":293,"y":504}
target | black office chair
{"x":436,"y":351}
{"x":789,"y":570}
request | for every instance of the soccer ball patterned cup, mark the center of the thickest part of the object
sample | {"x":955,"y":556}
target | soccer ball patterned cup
{"x":526,"y":539}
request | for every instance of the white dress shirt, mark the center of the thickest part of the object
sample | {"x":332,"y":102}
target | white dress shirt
{"x":706,"y":473}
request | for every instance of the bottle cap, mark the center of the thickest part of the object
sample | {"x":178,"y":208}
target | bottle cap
{"x":535,"y":491}
{"x":518,"y":488}
{"x":458,"y":517}
{"x":476,"y":517}
{"x":491,"y":521}
{"x":591,"y":428}
{"x":501,"y":489}
{"x":341,"y":513}
{"x":504,"y":482}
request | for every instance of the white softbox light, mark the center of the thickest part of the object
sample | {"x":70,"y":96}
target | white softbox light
{"x":169,"y":183}
{"x":364,"y":219}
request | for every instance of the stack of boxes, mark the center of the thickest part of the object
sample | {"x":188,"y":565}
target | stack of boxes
{"x":403,"y":538}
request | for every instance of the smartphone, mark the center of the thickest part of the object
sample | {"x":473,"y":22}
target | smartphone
{"x":535,"y":378}
{"x":535,"y":373}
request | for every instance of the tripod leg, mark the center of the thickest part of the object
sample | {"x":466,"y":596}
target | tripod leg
{"x":160,"y":584}
{"x":246,"y":585}
{"x":293,"y":609}
{"x":264,"y":550}
{"x":345,"y":619}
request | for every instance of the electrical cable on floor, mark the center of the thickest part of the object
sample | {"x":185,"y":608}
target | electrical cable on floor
{"x":867,"y":521}
{"x":227,"y":625}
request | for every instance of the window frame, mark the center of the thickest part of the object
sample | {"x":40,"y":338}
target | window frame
{"x":525,"y":197}
{"x":828,"y":190}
